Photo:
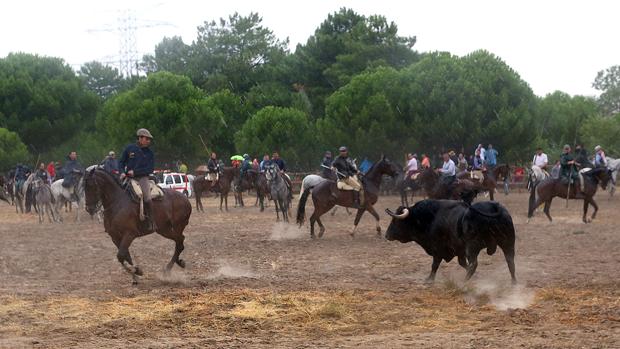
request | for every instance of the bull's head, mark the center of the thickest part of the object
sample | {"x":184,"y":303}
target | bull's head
{"x":398,"y":229}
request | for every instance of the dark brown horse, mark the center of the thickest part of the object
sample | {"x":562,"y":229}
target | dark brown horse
{"x":201,"y":186}
{"x":225,"y":182}
{"x":121,"y":217}
{"x":489,"y":183}
{"x":247,"y":183}
{"x":262,"y":190}
{"x":326,"y":195}
{"x":552,"y":187}
{"x":461,"y":189}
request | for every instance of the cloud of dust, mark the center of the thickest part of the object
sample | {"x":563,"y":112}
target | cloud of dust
{"x":228,"y":269}
{"x":175,"y":276}
{"x":286,"y":231}
{"x":494,"y":288}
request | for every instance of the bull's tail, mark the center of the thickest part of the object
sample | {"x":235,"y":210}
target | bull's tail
{"x":301,"y":208}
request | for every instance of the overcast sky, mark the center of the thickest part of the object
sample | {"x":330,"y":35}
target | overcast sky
{"x":553,"y":45}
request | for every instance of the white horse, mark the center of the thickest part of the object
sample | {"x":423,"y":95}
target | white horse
{"x":310,"y":181}
{"x":614,"y":166}
{"x":43,"y":200}
{"x":63,"y":195}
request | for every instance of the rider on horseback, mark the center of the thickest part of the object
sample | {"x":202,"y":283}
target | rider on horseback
{"x":540,"y":160}
{"x":213,"y":168}
{"x":137,"y":163}
{"x":447,"y":171}
{"x":326,"y":165}
{"x":71,"y":169}
{"x":347,"y":175}
{"x":21,"y":174}
{"x":569,"y":172}
{"x":246,"y":165}
{"x":43,"y":174}
{"x":275,"y":159}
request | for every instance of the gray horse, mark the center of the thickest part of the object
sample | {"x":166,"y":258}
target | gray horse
{"x":279,"y":191}
{"x":43,"y":200}
{"x":62,"y":195}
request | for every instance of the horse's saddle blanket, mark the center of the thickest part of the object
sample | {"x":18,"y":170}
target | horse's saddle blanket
{"x":476,"y":175}
{"x":211,"y":177}
{"x":156,"y":192}
{"x":415,"y":176}
{"x":343,"y":185}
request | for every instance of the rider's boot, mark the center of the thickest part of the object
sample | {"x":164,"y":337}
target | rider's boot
{"x":578,"y":192}
{"x":149,"y":221}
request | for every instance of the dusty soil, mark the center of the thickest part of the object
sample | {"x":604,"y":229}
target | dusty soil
{"x":251,"y":282}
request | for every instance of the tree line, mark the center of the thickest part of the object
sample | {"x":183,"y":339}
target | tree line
{"x":236,"y":88}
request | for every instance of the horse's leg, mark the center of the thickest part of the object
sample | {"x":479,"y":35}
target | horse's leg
{"x":546,"y":209}
{"x":178,"y":248}
{"x":492,"y":192}
{"x":358,"y":216}
{"x":374,"y":213}
{"x":276,"y":204}
{"x":593,"y":203}
{"x":123,"y":256}
{"x":334,"y":211}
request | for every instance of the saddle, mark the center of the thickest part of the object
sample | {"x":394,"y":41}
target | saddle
{"x":135,"y":192}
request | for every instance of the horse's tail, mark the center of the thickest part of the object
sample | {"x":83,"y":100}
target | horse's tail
{"x":301,"y":208}
{"x":532,"y":199}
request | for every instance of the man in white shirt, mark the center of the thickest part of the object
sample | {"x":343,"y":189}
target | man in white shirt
{"x":448,"y":170}
{"x":412,"y":165}
{"x":540,"y":161}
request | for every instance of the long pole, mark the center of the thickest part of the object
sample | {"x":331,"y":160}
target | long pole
{"x":570,"y":182}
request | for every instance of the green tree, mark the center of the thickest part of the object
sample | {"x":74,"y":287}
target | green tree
{"x":171,"y":55}
{"x":101,"y":79}
{"x":12,"y":150}
{"x":608,"y":82}
{"x":345,"y":44}
{"x":233,"y":53}
{"x":603,"y":131}
{"x":284,"y":129}
{"x":176,"y":112}
{"x":43,"y":100}
{"x":561,"y":117}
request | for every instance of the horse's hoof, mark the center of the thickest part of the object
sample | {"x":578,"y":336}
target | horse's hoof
{"x":378,"y":230}
{"x":138,"y":271}
{"x":312,"y":236}
{"x":134,"y":282}
{"x":321,"y":233}
{"x":181,"y":263}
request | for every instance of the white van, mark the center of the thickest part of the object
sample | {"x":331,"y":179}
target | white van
{"x":176,"y":181}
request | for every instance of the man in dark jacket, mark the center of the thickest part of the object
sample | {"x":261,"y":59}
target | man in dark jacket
{"x":110,"y":164}
{"x":326,"y":165}
{"x":275,"y":159}
{"x":71,"y":170}
{"x":213,"y":168}
{"x":138,"y":163}
{"x":347,"y":175}
{"x":568,"y":170}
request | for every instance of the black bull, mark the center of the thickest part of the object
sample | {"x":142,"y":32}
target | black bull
{"x":446,"y":229}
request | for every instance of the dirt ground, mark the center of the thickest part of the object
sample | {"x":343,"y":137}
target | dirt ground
{"x":252,"y":282}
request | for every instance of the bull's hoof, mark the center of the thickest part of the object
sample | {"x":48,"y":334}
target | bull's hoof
{"x":429,"y":281}
{"x":586,"y":221}
{"x":181,"y":263}
{"x":134,"y":282}
{"x":378,"y":230}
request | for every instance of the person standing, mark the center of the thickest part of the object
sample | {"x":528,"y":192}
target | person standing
{"x":326,"y":165}
{"x":138,"y":163}
{"x":491,"y":157}
{"x":51,"y":169}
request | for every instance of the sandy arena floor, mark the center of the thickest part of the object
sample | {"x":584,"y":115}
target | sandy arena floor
{"x":251,"y":282}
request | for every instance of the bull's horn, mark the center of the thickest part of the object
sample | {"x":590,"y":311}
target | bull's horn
{"x":403,"y":215}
